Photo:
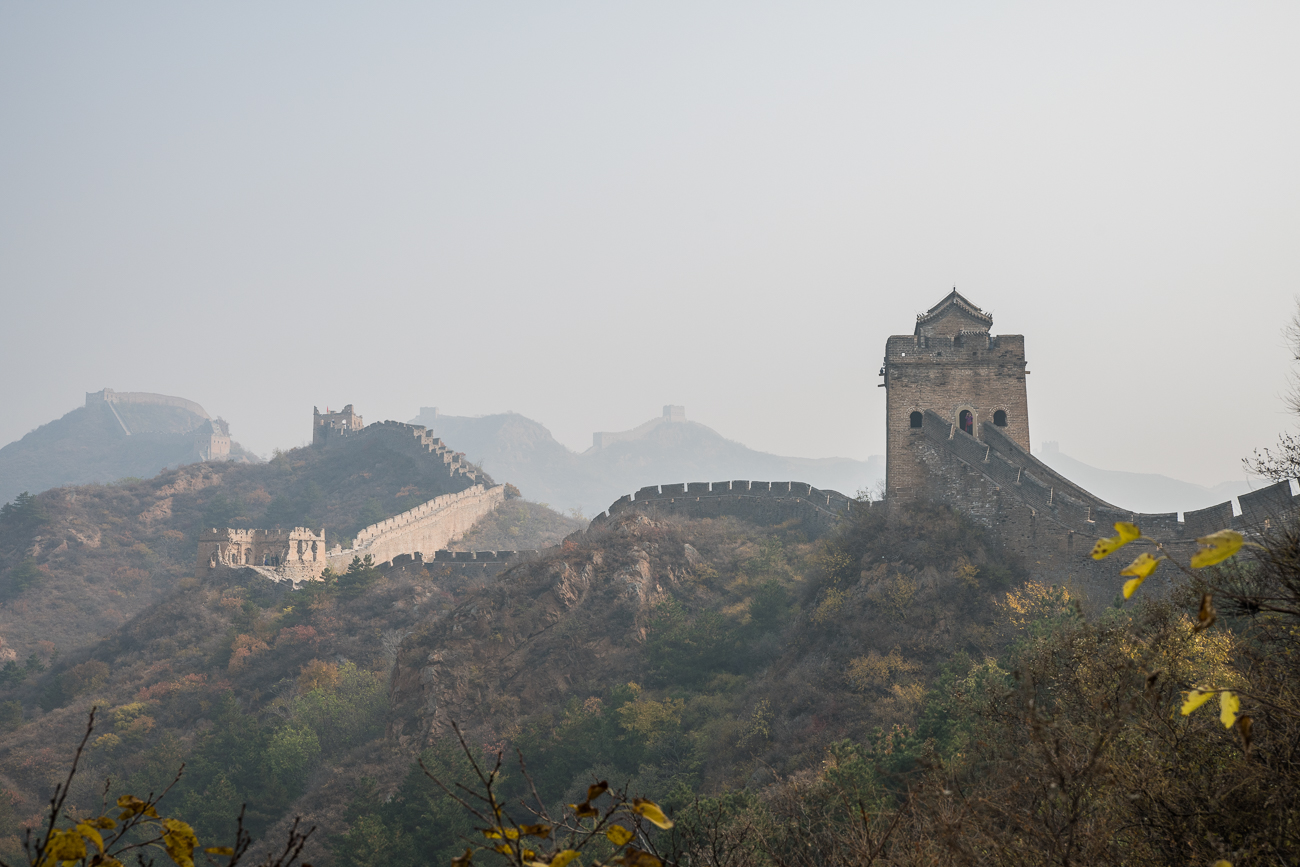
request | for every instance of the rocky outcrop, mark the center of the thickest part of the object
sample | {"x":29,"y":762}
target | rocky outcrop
{"x":541,"y":630}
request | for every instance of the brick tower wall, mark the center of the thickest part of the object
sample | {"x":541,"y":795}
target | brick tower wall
{"x":970,"y":370}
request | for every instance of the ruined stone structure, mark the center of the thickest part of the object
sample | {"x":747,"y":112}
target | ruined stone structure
{"x":286,"y":556}
{"x":426,"y":529}
{"x":210,"y":436}
{"x":212,"y":440}
{"x":768,"y":503}
{"x":957,"y":427}
{"x":333,"y":425}
{"x":299,"y":555}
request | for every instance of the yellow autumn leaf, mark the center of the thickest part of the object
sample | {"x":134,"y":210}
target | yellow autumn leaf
{"x":463,"y":860}
{"x":1216,"y":548}
{"x":101,"y":822}
{"x":650,"y":810}
{"x":1229,"y":704}
{"x":90,"y":832}
{"x":1222,"y":864}
{"x":1124,"y":533}
{"x":1141,"y":569}
{"x":636,"y":858}
{"x":542,"y":831}
{"x":133,"y":806}
{"x":1195,"y":699}
{"x":1143,"y":566}
{"x":594,"y":792}
{"x":618,"y":835}
{"x":584,"y":810}
{"x":563,"y":857}
{"x":179,"y":841}
{"x":65,"y":846}
{"x":220,"y":850}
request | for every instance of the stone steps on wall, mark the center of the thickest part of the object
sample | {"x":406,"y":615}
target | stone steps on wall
{"x":1008,"y":465}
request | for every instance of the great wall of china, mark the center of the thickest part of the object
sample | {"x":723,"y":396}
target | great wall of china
{"x":766,"y":503}
{"x":292,"y":556}
{"x":957,"y":433}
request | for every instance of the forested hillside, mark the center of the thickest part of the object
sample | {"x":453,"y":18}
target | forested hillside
{"x":77,"y":562}
{"x":686,"y":657}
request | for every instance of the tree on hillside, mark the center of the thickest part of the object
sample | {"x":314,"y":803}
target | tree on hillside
{"x":24,"y":513}
{"x":1283,"y":461}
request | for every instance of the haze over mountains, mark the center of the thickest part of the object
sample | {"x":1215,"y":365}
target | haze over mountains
{"x":1141,"y":492}
{"x":115,"y":435}
{"x":121,"y":437}
{"x":664,"y":450}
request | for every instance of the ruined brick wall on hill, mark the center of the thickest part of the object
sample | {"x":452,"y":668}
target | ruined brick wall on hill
{"x":763,"y":503}
{"x":1051,"y":521}
{"x":416,"y":440}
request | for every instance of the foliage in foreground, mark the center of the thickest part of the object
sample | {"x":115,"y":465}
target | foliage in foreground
{"x":138,"y":831}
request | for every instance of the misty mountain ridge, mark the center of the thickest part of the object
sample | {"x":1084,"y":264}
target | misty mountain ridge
{"x":664,"y":450}
{"x":1141,"y":492}
{"x":115,"y":435}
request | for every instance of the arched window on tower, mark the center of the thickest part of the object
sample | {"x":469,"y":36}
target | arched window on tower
{"x":967,"y":421}
{"x":1000,"y":418}
{"x":916,"y":419}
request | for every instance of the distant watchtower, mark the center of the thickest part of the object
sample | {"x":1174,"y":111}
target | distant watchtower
{"x":332,"y":425}
{"x":953,"y":366}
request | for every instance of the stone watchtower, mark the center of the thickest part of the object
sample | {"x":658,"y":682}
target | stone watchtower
{"x":952,"y":366}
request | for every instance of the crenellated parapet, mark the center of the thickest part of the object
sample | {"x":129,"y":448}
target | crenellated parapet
{"x":427,"y":528}
{"x":435,"y":457}
{"x":758,"y":502}
{"x":1053,"y":522}
{"x":1004,"y":462}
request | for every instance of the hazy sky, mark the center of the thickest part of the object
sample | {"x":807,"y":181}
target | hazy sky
{"x":583,"y":211}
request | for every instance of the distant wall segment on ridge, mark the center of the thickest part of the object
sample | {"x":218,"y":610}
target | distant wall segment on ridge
{"x":766,"y":503}
{"x":673,"y":414}
{"x":345,"y":428}
{"x":107,"y":395}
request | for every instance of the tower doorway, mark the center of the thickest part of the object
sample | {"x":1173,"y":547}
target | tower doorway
{"x":966,"y":421}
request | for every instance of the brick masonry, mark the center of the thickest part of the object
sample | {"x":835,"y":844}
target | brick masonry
{"x":950,"y":364}
{"x":764,"y":503}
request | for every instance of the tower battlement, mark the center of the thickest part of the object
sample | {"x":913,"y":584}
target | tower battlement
{"x":954,"y":366}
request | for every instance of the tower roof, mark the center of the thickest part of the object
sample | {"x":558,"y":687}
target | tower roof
{"x":952,"y":315}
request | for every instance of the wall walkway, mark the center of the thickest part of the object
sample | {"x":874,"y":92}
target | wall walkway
{"x":1051,"y":521}
{"x":426,"y":528}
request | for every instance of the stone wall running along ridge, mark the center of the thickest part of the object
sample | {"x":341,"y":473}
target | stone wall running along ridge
{"x":425,"y":529}
{"x":763,"y":503}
